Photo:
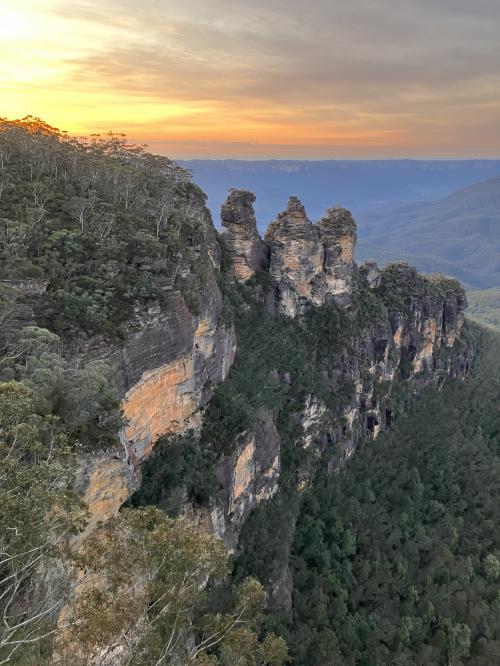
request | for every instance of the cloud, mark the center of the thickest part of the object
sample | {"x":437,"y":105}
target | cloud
{"x":306,"y":70}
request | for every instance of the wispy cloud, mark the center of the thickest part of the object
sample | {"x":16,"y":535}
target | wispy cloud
{"x":406,"y":77}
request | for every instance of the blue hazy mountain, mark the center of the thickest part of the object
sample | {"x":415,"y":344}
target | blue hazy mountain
{"x":355,"y":184}
{"x":458,"y":235}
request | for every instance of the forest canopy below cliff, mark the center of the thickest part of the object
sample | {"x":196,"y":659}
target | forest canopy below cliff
{"x":398,"y":560}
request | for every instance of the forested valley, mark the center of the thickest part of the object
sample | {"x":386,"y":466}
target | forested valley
{"x":389,"y":549}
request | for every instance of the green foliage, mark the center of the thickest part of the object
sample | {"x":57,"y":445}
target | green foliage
{"x":398,"y":559}
{"x":38,"y":516}
{"x":179,"y":471}
{"x":484,"y":307}
{"x":106,"y":226}
{"x":157,"y":608}
{"x":401,"y":285}
{"x":80,"y":395}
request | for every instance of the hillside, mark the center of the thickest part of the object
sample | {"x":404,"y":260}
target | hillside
{"x":484,"y":307}
{"x":398,"y":561}
{"x":172,"y":397}
{"x":458,"y":235}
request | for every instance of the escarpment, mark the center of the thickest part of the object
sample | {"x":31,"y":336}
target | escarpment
{"x":173,"y":355}
{"x":329,"y":354}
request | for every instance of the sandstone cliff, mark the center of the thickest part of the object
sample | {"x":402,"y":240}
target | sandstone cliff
{"x":165,"y":369}
{"x":392,"y":333}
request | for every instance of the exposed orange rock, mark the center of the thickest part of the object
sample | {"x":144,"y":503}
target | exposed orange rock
{"x":430,"y":341}
{"x":108,"y":487}
{"x":398,"y":336}
{"x":243,"y":471}
{"x":162,"y":402}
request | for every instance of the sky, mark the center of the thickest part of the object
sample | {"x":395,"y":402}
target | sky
{"x":307,"y":79}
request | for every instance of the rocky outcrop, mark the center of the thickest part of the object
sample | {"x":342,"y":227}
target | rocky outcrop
{"x":371,"y":272}
{"x":247,"y":476}
{"x":297,"y":257}
{"x":338,"y":235}
{"x":311,"y":264}
{"x":240,"y":234}
{"x":416,"y":344}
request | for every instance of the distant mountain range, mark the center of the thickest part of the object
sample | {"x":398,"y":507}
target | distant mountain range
{"x":406,"y":209}
{"x":356,"y":184}
{"x":458,"y":235}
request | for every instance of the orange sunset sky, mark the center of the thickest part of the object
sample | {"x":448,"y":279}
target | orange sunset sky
{"x":261,"y":78}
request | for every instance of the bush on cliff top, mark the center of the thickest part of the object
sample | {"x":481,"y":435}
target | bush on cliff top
{"x":105,"y":225}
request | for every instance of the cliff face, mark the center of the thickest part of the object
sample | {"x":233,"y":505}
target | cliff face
{"x":409,"y":349}
{"x":166,"y":370}
{"x":338,"y":235}
{"x":296,"y":259}
{"x":400,"y":331}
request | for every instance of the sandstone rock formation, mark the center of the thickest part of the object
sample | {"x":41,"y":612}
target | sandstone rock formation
{"x":338,"y":234}
{"x":371,"y":273}
{"x":247,"y":476}
{"x":297,"y":256}
{"x":310,"y":263}
{"x":247,"y":250}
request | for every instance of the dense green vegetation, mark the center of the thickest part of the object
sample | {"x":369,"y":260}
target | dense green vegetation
{"x":398,"y":560}
{"x":401,"y":284}
{"x":103,"y":224}
{"x":78,"y":397}
{"x":484,"y":307}
{"x":91,"y":231}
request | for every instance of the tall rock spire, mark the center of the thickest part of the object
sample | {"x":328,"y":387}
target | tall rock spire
{"x":338,"y":235}
{"x":248,"y":251}
{"x":296,"y":258}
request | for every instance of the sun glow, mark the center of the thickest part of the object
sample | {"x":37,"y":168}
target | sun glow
{"x":195,"y":74}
